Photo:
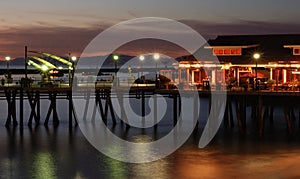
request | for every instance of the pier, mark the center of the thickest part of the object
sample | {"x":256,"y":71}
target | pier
{"x":260,"y":103}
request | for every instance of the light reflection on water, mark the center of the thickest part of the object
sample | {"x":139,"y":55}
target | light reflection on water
{"x":44,"y":165}
{"x":279,"y":164}
{"x":59,"y":153}
{"x":62,"y":153}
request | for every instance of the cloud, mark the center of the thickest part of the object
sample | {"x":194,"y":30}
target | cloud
{"x":242,"y":27}
{"x":58,"y":40}
{"x":62,"y":40}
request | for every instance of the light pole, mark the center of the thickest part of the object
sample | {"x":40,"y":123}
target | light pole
{"x":256,"y":56}
{"x":142,"y":58}
{"x":156,"y":58}
{"x":116,"y":58}
{"x":45,"y":69}
{"x":7,"y":58}
{"x":73,"y":60}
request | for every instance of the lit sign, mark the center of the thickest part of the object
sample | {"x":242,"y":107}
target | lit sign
{"x":227,"y":51}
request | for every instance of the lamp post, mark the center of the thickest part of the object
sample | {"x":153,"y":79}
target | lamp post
{"x":44,"y":69}
{"x":142,"y":58}
{"x":156,"y":58}
{"x":7,"y":58}
{"x":256,"y":56}
{"x":116,"y":58}
{"x":73,"y":60}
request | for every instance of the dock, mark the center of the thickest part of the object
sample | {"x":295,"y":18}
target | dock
{"x":262,"y":104}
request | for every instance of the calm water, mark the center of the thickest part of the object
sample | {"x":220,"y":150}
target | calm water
{"x":62,"y":153}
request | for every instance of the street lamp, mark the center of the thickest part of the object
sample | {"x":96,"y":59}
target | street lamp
{"x":156,"y":58}
{"x":7,"y":58}
{"x":142,"y":58}
{"x":256,"y":56}
{"x":116,"y":58}
{"x":73,"y":58}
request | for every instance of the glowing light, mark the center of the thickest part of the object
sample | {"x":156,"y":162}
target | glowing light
{"x":44,"y":68}
{"x":184,"y":66}
{"x":7,"y":58}
{"x":156,"y":56}
{"x":73,"y":58}
{"x":142,"y":57}
{"x":60,"y":68}
{"x":226,"y":66}
{"x":256,"y":56}
{"x":115,"y":57}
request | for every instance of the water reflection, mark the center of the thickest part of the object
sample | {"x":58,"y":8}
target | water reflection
{"x":9,"y":168}
{"x":190,"y":163}
{"x":44,"y":165}
{"x":41,"y":152}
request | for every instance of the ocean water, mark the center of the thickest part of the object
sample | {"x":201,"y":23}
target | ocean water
{"x":60,"y":152}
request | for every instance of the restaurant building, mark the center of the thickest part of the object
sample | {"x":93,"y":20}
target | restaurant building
{"x":278,"y":61}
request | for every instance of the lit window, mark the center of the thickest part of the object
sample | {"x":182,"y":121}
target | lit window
{"x":296,"y":51}
{"x":216,"y":52}
{"x":227,"y":51}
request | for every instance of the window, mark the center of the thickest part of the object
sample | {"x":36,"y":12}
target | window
{"x":296,"y":51}
{"x":229,"y":51}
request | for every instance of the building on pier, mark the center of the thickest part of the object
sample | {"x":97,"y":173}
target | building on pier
{"x":279,"y":60}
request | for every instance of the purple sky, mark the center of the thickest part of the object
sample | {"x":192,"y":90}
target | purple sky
{"x":63,"y":26}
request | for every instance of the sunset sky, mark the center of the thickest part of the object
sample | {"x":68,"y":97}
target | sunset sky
{"x":62,"y":26}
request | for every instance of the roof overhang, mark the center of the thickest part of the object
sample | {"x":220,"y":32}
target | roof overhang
{"x":232,"y":46}
{"x":291,"y":46}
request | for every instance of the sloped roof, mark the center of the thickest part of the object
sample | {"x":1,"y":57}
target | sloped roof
{"x":271,"y":48}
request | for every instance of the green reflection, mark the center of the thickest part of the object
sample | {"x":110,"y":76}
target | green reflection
{"x":116,"y":169}
{"x":44,"y":166}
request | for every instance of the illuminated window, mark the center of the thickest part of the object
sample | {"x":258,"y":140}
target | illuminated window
{"x":296,"y":51}
{"x":227,"y":52}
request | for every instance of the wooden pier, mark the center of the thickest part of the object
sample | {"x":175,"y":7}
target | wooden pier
{"x":262,"y":105}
